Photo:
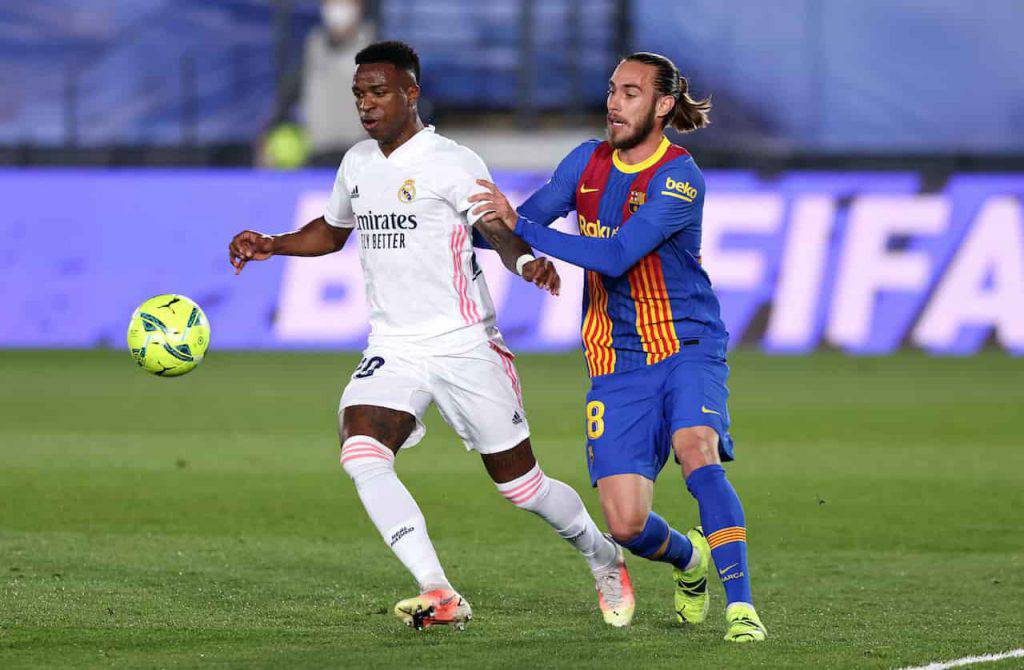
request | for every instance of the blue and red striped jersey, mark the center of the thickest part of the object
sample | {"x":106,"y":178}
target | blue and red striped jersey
{"x":645,"y":293}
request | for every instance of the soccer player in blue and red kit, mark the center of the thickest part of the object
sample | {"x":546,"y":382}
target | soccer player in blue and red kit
{"x":652,"y":336}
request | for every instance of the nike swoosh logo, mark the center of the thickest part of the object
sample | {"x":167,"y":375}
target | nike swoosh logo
{"x":727,"y":569}
{"x":705,"y":410}
{"x":584,"y":189}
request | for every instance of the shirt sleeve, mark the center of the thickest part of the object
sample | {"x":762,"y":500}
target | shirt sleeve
{"x":675,"y":198}
{"x":557,"y":197}
{"x":460,"y":183}
{"x":338,"y":212}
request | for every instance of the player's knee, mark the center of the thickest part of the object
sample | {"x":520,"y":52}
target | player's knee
{"x":696,"y":447}
{"x":361,"y":456}
{"x":624,"y":529}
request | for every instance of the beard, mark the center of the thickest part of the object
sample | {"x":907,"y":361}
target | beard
{"x":637,"y":136}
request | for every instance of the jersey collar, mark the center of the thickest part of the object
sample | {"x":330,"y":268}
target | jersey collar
{"x":631,"y":168}
{"x":410,"y":145}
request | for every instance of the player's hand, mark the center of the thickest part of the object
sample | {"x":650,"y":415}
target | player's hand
{"x":249,"y":245}
{"x":495,"y":202}
{"x":542,"y":272}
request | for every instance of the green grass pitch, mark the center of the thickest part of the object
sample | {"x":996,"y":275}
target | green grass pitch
{"x":205,"y":521}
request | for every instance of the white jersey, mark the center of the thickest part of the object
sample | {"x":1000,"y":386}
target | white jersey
{"x":410,"y":209}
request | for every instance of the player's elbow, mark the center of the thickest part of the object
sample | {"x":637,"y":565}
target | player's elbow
{"x":616,"y":267}
{"x":337,"y":239}
{"x":620,"y":260}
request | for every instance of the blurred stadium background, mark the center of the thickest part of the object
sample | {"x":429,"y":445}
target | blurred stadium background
{"x":850,"y":163}
{"x":865,"y":173}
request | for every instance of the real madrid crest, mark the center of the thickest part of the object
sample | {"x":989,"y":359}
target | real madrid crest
{"x":407,"y":192}
{"x":636,"y":198}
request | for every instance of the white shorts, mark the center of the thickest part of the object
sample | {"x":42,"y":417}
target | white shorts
{"x":477,"y":392}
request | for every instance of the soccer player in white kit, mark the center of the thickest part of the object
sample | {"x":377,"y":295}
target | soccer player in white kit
{"x":433,"y":336}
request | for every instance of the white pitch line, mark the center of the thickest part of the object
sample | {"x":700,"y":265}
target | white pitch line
{"x":968,"y":660}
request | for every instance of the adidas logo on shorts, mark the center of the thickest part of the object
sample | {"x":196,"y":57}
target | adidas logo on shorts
{"x":516,"y":419}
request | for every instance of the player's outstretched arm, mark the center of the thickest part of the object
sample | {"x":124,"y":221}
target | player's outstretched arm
{"x":510,"y":248}
{"x":653,"y":223}
{"x":316,"y":238}
{"x":612,"y":257}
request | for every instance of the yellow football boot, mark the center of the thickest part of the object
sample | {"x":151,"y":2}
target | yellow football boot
{"x":691,"y":595}
{"x":743,"y":624}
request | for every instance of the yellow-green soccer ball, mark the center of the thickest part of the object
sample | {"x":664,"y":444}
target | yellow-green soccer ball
{"x":168,"y":335}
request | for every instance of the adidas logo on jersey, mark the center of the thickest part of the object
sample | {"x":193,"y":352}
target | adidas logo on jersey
{"x":354,"y":194}
{"x":516,"y":419}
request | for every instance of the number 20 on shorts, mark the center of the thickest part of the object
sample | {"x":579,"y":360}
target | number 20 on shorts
{"x":595,"y":419}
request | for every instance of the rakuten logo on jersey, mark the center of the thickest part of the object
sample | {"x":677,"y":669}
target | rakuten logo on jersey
{"x":595,"y":229}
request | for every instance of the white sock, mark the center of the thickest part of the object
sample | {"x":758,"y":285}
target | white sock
{"x":694,"y":559}
{"x":559,"y":505}
{"x":392,"y":509}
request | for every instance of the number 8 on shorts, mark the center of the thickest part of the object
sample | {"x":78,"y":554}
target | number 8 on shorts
{"x":595,"y":419}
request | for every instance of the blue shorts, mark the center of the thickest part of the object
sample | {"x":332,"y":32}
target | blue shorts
{"x":632,"y":415}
